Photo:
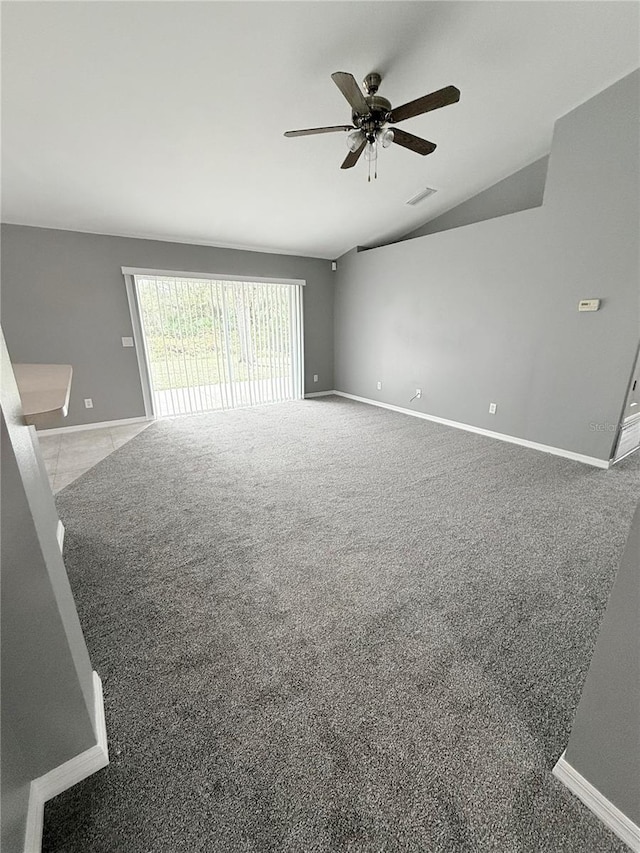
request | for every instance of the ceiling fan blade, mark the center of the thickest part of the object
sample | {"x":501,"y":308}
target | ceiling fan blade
{"x":312,"y":130}
{"x":353,"y":156}
{"x":413,"y":143}
{"x":352,"y":92}
{"x":441,"y":98}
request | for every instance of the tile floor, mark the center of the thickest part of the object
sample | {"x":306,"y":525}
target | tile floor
{"x":68,"y":455}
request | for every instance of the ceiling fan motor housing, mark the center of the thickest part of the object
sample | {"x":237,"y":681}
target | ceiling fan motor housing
{"x":380,"y":107}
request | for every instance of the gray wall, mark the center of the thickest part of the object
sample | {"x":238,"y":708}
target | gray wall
{"x":16,"y":780}
{"x":522,"y":190}
{"x":64,"y":301}
{"x":48,"y":713}
{"x":605,"y":739}
{"x":488,"y":312}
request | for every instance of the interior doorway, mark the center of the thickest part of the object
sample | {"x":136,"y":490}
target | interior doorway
{"x":628,"y":437}
{"x":217,"y":343}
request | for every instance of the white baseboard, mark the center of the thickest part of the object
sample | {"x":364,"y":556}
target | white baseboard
{"x":60,"y":778}
{"x":60,"y":535}
{"x":511,"y":439}
{"x":318,"y":394}
{"x":601,"y":807}
{"x":100,"y":425}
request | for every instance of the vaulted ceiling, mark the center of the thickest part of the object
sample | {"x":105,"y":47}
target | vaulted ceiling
{"x":166,"y":119}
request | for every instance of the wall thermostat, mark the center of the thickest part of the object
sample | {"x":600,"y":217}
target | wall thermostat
{"x":588,"y":305}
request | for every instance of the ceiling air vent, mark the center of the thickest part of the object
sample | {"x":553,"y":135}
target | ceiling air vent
{"x":418,"y":197}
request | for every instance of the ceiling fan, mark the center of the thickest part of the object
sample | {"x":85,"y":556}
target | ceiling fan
{"x":371,"y":113}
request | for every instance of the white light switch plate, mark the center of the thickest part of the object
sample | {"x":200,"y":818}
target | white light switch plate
{"x":127,"y":342}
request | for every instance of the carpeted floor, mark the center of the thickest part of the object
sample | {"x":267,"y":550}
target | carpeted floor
{"x":323,"y":626}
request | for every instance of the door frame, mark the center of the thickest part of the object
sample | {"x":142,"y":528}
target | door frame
{"x":628,"y":423}
{"x":129,"y":274}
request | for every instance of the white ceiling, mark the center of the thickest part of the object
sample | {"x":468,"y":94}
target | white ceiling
{"x":165,"y":119}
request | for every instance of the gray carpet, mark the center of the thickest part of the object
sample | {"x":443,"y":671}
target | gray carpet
{"x":323,"y":626}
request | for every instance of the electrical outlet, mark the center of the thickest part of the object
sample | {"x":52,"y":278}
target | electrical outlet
{"x":315,"y":377}
{"x":379,"y":386}
{"x":493,"y":407}
{"x":418,"y":393}
{"x":88,"y":403}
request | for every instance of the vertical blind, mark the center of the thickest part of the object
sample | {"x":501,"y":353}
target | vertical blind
{"x":214,"y":344}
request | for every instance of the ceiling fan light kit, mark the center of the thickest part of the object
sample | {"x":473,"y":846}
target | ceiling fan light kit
{"x":371,"y":113}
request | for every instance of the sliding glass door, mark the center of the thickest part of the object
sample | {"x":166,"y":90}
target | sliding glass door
{"x":219,"y":344}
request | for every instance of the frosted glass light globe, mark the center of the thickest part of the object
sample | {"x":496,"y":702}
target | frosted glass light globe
{"x":371,"y":151}
{"x":355,"y":140}
{"x":385,"y":137}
